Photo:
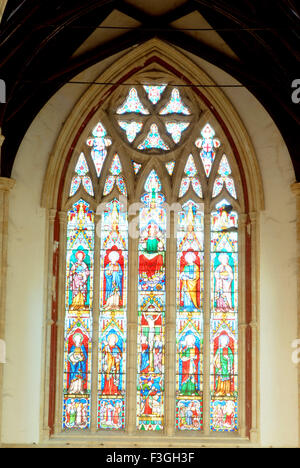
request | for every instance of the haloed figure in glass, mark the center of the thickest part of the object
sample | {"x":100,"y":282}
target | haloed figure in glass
{"x":223,"y":361}
{"x":77,"y":359}
{"x":190,"y":282}
{"x":114,"y":282}
{"x":151,"y":261}
{"x":223,"y":288}
{"x":112,"y":365}
{"x":189,"y":365}
{"x":79,"y":275}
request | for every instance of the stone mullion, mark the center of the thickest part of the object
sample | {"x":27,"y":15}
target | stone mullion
{"x":206,"y":320}
{"x":170,"y":331}
{"x":95,"y":331}
{"x":242,"y":326}
{"x":132,"y":327}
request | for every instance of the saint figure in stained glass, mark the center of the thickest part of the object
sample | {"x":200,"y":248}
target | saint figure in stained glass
{"x":151,"y":261}
{"x":190,"y":281}
{"x":113,"y":284}
{"x":77,"y":359}
{"x":112,"y":318}
{"x":224,"y":366}
{"x":79,"y":275}
{"x":189,"y":365}
{"x":223,"y":283}
{"x":112,"y":352}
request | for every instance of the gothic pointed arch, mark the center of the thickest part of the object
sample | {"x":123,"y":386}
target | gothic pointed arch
{"x":137,"y":309}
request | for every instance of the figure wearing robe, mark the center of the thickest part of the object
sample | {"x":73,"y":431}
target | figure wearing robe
{"x":189,"y":360}
{"x":151,"y":261}
{"x":79,"y":275}
{"x":223,"y":361}
{"x":145,"y":355}
{"x":113,"y":282}
{"x":223,"y":283}
{"x":150,"y":390}
{"x":190,"y":283}
{"x":112,"y":366}
{"x":77,"y":358}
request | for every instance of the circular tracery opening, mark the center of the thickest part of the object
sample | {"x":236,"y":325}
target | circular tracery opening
{"x":154,"y":118}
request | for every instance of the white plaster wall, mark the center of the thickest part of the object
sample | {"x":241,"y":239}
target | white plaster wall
{"x":278,"y":297}
{"x":278,"y":303}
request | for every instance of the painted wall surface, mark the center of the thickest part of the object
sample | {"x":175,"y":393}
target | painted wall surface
{"x":26,"y":273}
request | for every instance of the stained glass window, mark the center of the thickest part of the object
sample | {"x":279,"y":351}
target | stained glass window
{"x":224,"y":179}
{"x":113,"y":319}
{"x":145,"y":120}
{"x":81,"y":167}
{"x":115,"y":178}
{"x":153,"y":140}
{"x":154,"y":92}
{"x":76,"y":182}
{"x":151,"y":308}
{"x":190,"y":168}
{"x":170,"y":166}
{"x":99,"y":143}
{"x":224,"y":319}
{"x":175,"y":105}
{"x":81,"y":170}
{"x":132,"y":104}
{"x":78,"y":317}
{"x":191,"y":172}
{"x":136,"y":167}
{"x":116,"y":166}
{"x":189,"y":340}
{"x":131,"y":129}
{"x":176,"y":129}
{"x":208,"y":144}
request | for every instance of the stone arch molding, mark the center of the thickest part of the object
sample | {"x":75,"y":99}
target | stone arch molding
{"x":153,"y":58}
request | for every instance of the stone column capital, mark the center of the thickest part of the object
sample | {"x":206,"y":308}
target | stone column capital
{"x":296,"y":188}
{"x":6,"y":184}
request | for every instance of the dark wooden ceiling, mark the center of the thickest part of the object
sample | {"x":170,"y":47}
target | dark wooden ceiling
{"x":39,"y":38}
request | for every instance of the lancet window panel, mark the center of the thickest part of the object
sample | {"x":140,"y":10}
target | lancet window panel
{"x":151,"y":307}
{"x":190,"y":320}
{"x":113,"y":317}
{"x":78,"y":317}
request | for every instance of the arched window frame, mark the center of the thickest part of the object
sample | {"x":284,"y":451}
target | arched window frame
{"x":237,"y":146}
